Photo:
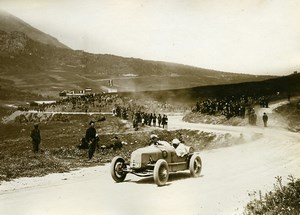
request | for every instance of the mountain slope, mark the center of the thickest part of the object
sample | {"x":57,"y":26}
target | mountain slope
{"x":46,"y":68}
{"x":9,"y":23}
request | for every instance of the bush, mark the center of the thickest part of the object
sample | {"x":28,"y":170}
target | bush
{"x":291,"y":112}
{"x":283,"y":200}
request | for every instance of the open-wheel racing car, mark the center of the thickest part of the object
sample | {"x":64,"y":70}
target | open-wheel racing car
{"x":157,"y":161}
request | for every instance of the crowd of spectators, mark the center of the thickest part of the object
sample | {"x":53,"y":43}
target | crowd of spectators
{"x":139,"y":117}
{"x":230,"y":106}
{"x":101,"y":102}
{"x":105,"y":102}
{"x":149,"y":119}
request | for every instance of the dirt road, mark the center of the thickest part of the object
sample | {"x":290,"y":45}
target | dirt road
{"x":228,"y":175}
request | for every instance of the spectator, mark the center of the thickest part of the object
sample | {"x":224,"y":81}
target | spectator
{"x":164,"y":121}
{"x":36,"y":138}
{"x":90,"y":137}
{"x":265,"y":119}
{"x":117,"y":144}
{"x":254,"y":118}
{"x":135,"y":123}
{"x":85,"y":141}
{"x":154,"y":120}
{"x":150,"y":119}
{"x":84,"y":144}
{"x":159,"y":120}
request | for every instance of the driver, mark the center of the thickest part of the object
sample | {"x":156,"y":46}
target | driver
{"x":153,"y":140}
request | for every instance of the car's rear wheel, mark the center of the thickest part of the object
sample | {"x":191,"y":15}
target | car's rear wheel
{"x":161,"y":172}
{"x":116,"y":170}
{"x":195,"y":165}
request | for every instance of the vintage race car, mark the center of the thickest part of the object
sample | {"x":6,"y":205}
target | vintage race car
{"x":157,"y":161}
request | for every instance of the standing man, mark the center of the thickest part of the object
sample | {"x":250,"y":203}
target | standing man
{"x":164,"y":121}
{"x":135,"y":122}
{"x":36,"y":138}
{"x":254,"y":118}
{"x":154,"y":120}
{"x":90,"y":137}
{"x":159,"y":120}
{"x":265,"y":119}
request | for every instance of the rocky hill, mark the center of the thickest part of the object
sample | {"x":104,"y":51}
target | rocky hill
{"x":10,"y":23}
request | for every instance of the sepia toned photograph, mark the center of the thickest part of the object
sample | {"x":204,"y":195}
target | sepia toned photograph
{"x":139,"y":107}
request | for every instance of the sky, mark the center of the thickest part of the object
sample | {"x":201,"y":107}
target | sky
{"x":241,"y":36}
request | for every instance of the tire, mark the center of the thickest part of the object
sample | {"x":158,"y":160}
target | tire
{"x":116,"y":169}
{"x":195,"y":165}
{"x":161,"y":172}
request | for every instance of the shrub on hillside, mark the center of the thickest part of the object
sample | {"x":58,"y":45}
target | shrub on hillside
{"x":282,"y":200}
{"x":291,"y":112}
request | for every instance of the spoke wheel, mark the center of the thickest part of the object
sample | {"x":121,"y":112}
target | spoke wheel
{"x":195,"y":165}
{"x":161,"y":172}
{"x":116,"y":170}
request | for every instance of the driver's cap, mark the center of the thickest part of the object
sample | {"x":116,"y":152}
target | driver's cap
{"x":153,"y":136}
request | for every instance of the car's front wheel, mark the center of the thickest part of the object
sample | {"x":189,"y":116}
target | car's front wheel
{"x":195,"y":165}
{"x":116,"y":170}
{"x":161,"y":172}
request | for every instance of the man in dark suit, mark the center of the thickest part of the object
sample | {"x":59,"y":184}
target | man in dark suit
{"x":90,"y":137}
{"x":36,"y":138}
{"x":265,"y":119}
